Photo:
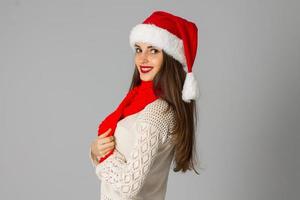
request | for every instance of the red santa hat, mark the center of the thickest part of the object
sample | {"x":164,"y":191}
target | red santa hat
{"x":178,"y":37}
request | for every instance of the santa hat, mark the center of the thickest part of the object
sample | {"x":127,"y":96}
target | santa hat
{"x":178,"y":37}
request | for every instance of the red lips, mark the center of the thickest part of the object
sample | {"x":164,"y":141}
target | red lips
{"x":145,"y":69}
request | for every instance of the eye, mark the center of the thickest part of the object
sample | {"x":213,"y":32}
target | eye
{"x":137,"y":50}
{"x":154,"y":50}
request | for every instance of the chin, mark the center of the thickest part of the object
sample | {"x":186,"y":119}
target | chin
{"x":146,"y":78}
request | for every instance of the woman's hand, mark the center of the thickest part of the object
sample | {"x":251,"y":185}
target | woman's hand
{"x":103,"y":144}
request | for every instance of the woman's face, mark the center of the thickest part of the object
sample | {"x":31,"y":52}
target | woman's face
{"x":148,"y":60}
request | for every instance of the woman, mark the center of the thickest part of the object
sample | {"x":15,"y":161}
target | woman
{"x":155,"y":123}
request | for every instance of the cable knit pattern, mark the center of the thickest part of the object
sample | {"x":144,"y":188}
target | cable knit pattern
{"x":156,"y":115}
{"x":127,"y":176}
{"x":104,"y":197}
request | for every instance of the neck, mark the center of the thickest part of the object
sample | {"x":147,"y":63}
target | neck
{"x":146,"y":84}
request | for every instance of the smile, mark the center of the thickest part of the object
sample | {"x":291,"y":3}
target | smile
{"x":146,"y":69}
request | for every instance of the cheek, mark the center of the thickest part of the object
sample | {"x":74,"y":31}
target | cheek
{"x":157,"y":68}
{"x":135,"y":59}
{"x":158,"y":62}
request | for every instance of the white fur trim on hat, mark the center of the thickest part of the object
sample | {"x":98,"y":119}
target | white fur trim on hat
{"x":190,"y":88}
{"x":160,"y":38}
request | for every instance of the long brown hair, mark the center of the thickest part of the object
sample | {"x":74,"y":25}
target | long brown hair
{"x":169,"y":80}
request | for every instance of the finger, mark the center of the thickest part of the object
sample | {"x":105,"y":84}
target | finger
{"x":102,"y":153}
{"x":106,"y":151}
{"x":106,"y":145}
{"x":105,"y":133}
{"x":109,"y":148}
{"x":106,"y":139}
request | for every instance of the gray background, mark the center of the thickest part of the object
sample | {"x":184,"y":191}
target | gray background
{"x":65,"y":65}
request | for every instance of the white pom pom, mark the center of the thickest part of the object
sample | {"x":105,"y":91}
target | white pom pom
{"x":190,"y":88}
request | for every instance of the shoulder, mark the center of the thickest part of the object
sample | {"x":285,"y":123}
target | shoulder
{"x":159,"y":114}
{"x":159,"y":110}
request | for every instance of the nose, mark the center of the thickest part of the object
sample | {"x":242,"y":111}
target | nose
{"x":144,"y":57}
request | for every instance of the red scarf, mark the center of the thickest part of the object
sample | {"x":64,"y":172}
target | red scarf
{"x":135,"y":101}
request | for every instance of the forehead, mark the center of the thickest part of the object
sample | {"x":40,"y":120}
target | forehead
{"x":145,"y":45}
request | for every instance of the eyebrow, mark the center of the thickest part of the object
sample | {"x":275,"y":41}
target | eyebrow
{"x":147,"y":47}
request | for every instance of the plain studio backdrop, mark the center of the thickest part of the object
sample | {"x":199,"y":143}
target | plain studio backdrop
{"x":65,"y":65}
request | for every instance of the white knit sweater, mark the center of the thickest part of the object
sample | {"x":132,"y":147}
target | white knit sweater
{"x":140,"y":164}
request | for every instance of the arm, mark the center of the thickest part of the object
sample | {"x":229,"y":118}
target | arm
{"x":128,"y":177}
{"x":95,"y":159}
